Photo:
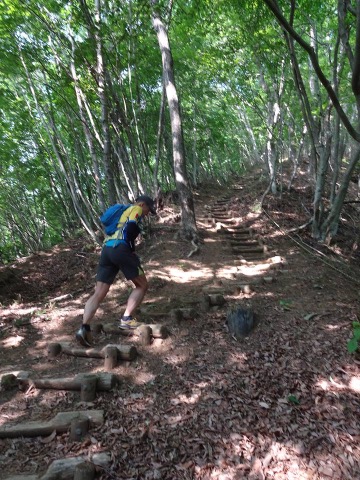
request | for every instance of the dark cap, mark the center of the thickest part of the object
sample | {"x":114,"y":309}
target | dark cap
{"x":149,"y":202}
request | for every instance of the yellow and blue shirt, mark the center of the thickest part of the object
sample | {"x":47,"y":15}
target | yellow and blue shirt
{"x":128,"y":228}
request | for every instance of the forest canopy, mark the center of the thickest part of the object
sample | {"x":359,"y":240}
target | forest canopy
{"x":87,"y":117}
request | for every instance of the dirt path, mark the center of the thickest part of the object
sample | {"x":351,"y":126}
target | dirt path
{"x":281,"y":404}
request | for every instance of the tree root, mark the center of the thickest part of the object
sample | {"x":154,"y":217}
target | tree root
{"x":195,"y":249}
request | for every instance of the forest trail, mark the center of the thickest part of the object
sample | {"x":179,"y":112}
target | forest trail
{"x":282,"y":404}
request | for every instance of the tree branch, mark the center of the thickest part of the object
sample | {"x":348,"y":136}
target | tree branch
{"x":325,"y":82}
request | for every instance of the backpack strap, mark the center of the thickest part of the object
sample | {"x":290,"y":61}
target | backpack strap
{"x":115,"y":240}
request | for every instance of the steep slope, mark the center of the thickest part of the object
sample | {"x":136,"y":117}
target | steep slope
{"x":282,"y":403}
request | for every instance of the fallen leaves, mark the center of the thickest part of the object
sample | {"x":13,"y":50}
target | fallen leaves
{"x":284,"y":405}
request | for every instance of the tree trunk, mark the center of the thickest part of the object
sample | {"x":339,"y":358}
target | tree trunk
{"x":273,"y":119}
{"x":325,"y":227}
{"x":330,"y":225}
{"x":159,"y":136}
{"x":319,"y":188}
{"x":188,"y":222}
{"x":94,"y":29}
{"x":87,"y":133}
{"x":104,"y":105}
{"x":50,"y":127}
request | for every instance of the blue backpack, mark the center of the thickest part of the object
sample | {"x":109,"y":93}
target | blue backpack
{"x":110,"y":218}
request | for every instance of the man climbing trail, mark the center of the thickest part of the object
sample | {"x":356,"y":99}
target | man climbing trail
{"x":118,"y":253}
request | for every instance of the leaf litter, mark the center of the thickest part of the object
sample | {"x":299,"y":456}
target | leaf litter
{"x":280,"y":404}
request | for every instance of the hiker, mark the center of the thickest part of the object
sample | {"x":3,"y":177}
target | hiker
{"x":118,"y":253}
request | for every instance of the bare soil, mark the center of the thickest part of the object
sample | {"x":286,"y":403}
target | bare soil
{"x":280,"y":404}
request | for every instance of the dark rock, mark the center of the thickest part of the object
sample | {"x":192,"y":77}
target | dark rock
{"x":241,"y":321}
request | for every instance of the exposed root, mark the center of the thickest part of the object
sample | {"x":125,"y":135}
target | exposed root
{"x":195,"y":249}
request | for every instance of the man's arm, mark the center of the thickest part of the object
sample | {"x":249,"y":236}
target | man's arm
{"x":132,"y":227}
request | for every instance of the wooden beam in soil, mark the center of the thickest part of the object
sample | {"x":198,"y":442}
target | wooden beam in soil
{"x":225,"y":221}
{"x":68,"y":468}
{"x":245,"y":242}
{"x":124,"y":352}
{"x":237,"y":230}
{"x":60,"y":423}
{"x":252,"y":249}
{"x":157,"y":330}
{"x":104,"y":382}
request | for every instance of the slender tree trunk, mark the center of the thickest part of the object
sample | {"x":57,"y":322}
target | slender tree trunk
{"x":159,"y":136}
{"x":101,"y":69}
{"x":121,"y":125}
{"x":135,"y":105}
{"x":338,"y":151}
{"x":87,"y":133}
{"x":94,"y":29}
{"x":194,"y":150}
{"x":271,"y":147}
{"x":330,"y":225}
{"x":304,"y":103}
{"x":319,"y":188}
{"x":50,"y":128}
{"x":255,"y":155}
{"x":188,"y":222}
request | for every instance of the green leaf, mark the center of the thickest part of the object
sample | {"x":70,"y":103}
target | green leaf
{"x":352,"y":345}
{"x":293,"y":399}
{"x":309,"y":316}
{"x":357,"y":334}
{"x":286,"y":304}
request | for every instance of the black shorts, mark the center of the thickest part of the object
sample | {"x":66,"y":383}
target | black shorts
{"x":113,"y":259}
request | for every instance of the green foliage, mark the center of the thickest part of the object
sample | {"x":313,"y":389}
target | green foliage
{"x":230,"y":62}
{"x":294,"y":400}
{"x":286,"y":304}
{"x":353,"y":343}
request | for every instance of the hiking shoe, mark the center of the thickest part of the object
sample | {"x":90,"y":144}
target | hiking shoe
{"x":84,"y":337}
{"x":129,"y":324}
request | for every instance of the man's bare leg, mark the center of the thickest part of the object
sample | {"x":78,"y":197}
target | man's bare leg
{"x":91,"y":306}
{"x":137,"y":295}
{"x":83,"y":335}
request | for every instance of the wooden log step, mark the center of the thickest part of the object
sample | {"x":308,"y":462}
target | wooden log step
{"x":220,"y":209}
{"x":221,"y":216}
{"x":60,"y":423}
{"x":104,"y":382}
{"x":179,"y":314}
{"x":241,"y":250}
{"x":222,"y":213}
{"x":245,"y":242}
{"x":67,"y":468}
{"x":237,"y":233}
{"x":240,"y":280}
{"x":233,"y":287}
{"x":237,"y":236}
{"x":157,"y":330}
{"x":213,"y":300}
{"x":8,"y":381}
{"x":125,"y":352}
{"x":79,"y":429}
{"x":237,"y":230}
{"x":224,"y":221}
{"x":254,"y":258}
